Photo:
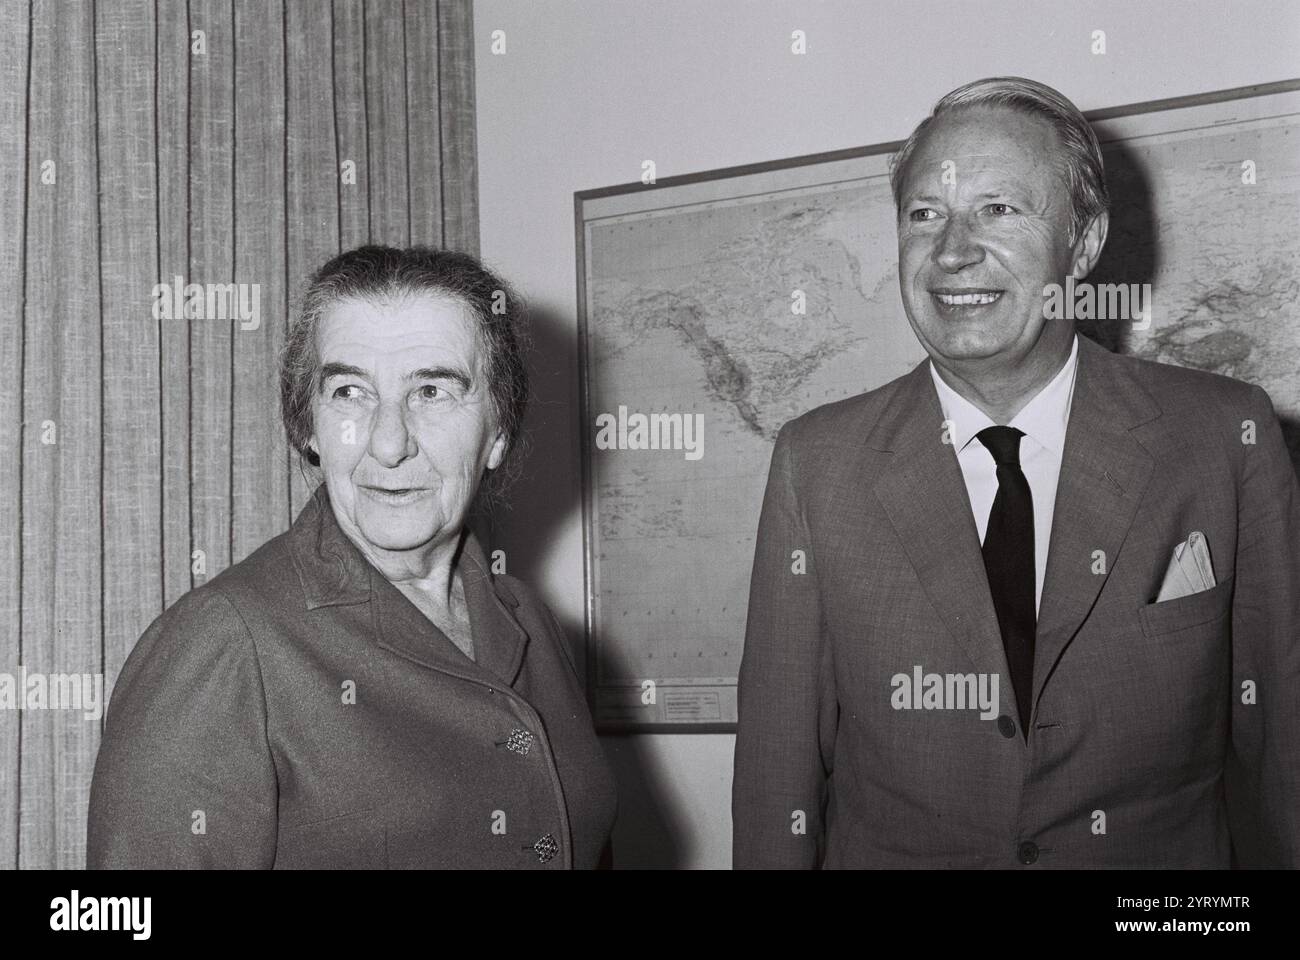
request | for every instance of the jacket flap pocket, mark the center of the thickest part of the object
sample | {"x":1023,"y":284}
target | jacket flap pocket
{"x":1192,"y":610}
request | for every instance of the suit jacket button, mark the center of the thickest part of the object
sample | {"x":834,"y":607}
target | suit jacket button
{"x":1006,"y":727}
{"x":1027,"y":853}
{"x":519,"y":742}
{"x":546,"y":848}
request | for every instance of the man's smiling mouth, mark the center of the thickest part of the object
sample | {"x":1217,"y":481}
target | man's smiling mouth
{"x":971,"y":297}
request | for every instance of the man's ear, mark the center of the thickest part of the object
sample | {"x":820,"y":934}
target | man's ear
{"x":498,"y":452}
{"x":1087,"y":249}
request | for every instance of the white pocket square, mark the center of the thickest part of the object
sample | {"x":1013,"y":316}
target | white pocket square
{"x":1189,"y":570}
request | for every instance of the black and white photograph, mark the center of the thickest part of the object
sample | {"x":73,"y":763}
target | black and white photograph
{"x":780,"y":435}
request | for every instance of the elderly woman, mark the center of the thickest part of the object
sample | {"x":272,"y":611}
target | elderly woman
{"x":363,"y":691}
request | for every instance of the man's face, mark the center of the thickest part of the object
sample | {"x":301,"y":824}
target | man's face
{"x":403,"y":421}
{"x":983,"y":225}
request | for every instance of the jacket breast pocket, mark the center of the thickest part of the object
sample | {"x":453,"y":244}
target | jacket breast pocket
{"x":349,"y":841}
{"x":1193,"y":610}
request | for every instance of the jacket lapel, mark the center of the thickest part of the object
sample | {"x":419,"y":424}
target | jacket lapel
{"x":1104,"y":471}
{"x":499,"y":641}
{"x":922,"y":491}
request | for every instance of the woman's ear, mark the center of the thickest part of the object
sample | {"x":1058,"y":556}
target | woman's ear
{"x":498,"y":452}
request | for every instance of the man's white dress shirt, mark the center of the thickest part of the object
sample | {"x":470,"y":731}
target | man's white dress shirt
{"x":1043,"y":421}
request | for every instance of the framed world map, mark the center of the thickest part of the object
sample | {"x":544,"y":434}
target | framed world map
{"x":714,"y":307}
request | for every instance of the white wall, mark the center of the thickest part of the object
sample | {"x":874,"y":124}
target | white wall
{"x":588,"y":90}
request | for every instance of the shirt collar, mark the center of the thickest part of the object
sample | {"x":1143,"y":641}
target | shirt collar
{"x":1043,"y":418}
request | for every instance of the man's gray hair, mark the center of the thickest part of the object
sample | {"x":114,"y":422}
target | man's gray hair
{"x":1084,"y":172}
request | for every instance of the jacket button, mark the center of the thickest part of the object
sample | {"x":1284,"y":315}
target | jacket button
{"x":1027,"y":853}
{"x":546,"y":848}
{"x":519,"y":742}
{"x":1006,"y":727}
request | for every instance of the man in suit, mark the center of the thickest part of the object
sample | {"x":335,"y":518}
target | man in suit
{"x":965,"y":645}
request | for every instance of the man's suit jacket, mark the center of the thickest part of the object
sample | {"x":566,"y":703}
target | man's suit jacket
{"x":317,"y":719}
{"x":1162,"y":734}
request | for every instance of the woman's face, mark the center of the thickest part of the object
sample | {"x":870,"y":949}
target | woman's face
{"x":403,"y":422}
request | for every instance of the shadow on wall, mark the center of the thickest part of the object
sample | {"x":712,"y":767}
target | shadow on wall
{"x":543,"y":500}
{"x":1132,"y":255}
{"x":650,"y":833}
{"x":546,"y":494}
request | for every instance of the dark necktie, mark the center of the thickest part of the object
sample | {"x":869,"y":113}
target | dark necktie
{"x":1009,"y":563}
